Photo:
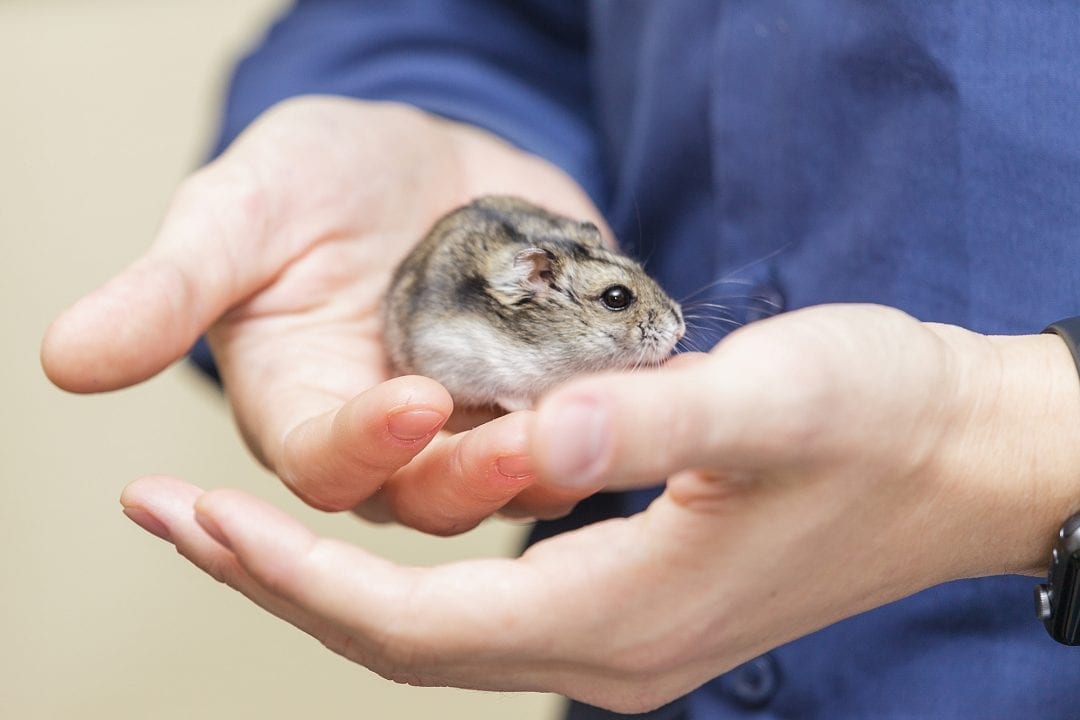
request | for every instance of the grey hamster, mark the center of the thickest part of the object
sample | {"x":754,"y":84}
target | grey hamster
{"x":503,"y":300}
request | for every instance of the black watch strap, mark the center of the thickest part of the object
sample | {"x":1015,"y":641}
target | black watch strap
{"x":1057,"y":602}
{"x":1069,"y":331}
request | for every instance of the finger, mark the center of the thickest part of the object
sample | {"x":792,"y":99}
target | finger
{"x":733,"y":410}
{"x":543,"y":502}
{"x":291,"y":573}
{"x":549,"y":501}
{"x":343,"y":586}
{"x":534,"y":502}
{"x":339,"y":458}
{"x":543,"y":622}
{"x":218,"y":244}
{"x":463,"y":479}
{"x":474,"y":624}
{"x":164,"y":506}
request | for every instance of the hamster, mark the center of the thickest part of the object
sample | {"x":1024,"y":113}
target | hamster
{"x":503,"y":300}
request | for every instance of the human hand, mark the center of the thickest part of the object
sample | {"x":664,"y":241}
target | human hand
{"x":821,"y":463}
{"x":282,"y":250}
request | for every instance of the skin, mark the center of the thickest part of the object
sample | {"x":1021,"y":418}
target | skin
{"x":808,"y":444}
{"x":281,"y":251}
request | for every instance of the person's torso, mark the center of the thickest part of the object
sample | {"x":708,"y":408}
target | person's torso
{"x":774,"y":154}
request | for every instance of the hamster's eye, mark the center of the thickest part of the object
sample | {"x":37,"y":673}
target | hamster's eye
{"x":617,"y":297}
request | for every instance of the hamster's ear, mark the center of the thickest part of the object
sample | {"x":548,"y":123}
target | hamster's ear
{"x":534,"y":269}
{"x":532,"y":273}
{"x":590,"y":234}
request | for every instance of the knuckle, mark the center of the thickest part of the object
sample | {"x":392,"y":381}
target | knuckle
{"x":414,"y":647}
{"x":460,"y":463}
{"x":343,"y":644}
{"x":319,"y":494}
{"x":386,"y":653}
{"x":284,"y":577}
{"x":396,"y":668}
{"x":396,"y":659}
{"x":370,"y":462}
{"x":228,"y":194}
{"x":224,"y":569}
{"x":312,"y":482}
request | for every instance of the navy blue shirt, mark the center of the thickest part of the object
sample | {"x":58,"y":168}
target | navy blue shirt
{"x":779,"y":154}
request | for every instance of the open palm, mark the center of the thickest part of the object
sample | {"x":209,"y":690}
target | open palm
{"x":280,"y":252}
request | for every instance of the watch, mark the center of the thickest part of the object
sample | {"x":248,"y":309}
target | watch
{"x":1057,"y":601}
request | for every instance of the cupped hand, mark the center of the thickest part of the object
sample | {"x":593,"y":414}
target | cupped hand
{"x":280,"y":251}
{"x":820,"y":463}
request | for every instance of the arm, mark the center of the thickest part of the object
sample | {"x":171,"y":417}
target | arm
{"x":820,"y":464}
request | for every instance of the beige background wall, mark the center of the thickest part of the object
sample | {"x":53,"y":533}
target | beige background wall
{"x":105,"y":105}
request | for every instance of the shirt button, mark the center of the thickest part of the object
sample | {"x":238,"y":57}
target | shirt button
{"x":764,"y":301}
{"x":753,"y":683}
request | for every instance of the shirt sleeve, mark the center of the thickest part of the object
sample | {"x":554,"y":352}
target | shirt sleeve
{"x":517,"y":68}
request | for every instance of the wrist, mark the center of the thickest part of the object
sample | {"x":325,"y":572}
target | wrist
{"x":1013,"y":449}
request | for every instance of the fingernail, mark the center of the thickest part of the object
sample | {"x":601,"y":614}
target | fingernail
{"x":412,"y":425}
{"x":515,"y":467}
{"x":144,"y":519}
{"x":581,"y":444}
{"x":212,"y":529}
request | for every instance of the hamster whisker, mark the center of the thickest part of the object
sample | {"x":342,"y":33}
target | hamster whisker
{"x":759,"y":300}
{"x":641,"y":235}
{"x":728,"y":321}
{"x":722,"y":315}
{"x":641,"y":363}
{"x":723,"y":307}
{"x":695,"y":346}
{"x":721,"y":281}
{"x":728,"y":306}
{"x":754,"y":300}
{"x":764,"y":258}
{"x":704,"y":331}
{"x":687,"y":345}
{"x":731,"y":277}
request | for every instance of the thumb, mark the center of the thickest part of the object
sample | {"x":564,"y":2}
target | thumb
{"x":724,"y":412}
{"x":151,"y":314}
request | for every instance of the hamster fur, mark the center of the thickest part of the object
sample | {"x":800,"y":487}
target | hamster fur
{"x":503,"y":300}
